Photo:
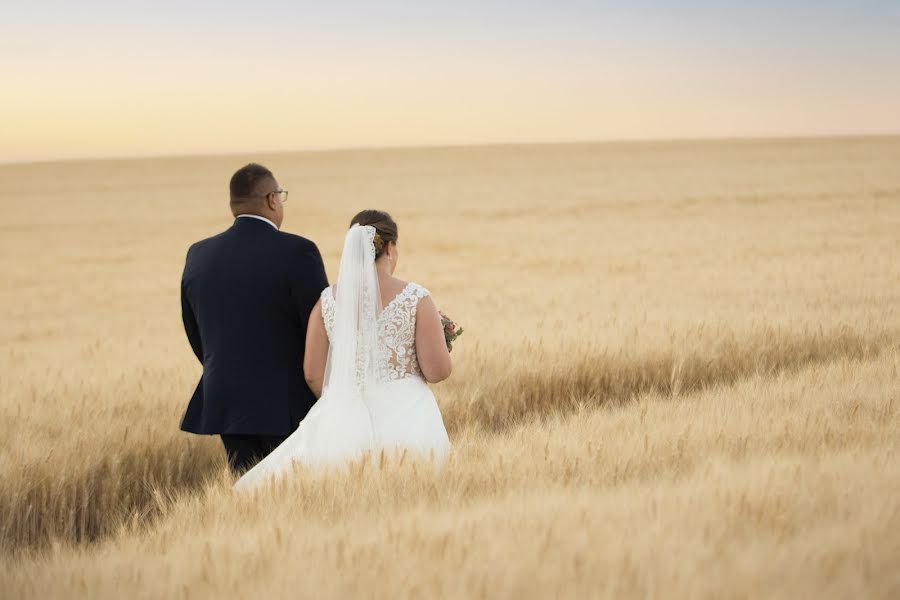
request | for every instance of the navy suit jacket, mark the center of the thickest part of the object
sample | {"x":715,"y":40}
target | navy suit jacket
{"x":246,"y":296}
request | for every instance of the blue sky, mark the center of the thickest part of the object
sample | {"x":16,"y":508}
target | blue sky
{"x":131,"y":78}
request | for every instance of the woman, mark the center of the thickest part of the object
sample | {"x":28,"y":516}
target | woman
{"x":374,"y":342}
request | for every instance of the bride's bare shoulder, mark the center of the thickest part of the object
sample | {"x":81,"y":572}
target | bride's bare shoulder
{"x":399,"y":286}
{"x":393,"y":286}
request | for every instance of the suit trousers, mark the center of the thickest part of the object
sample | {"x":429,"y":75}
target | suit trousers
{"x":244,"y":451}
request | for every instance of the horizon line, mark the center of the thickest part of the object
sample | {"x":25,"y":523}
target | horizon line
{"x":440,"y":146}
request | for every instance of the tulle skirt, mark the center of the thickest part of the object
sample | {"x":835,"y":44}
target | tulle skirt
{"x":400,"y":415}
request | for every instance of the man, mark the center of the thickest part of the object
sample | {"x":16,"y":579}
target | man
{"x":246,"y":296}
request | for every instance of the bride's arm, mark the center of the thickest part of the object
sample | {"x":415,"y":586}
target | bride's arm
{"x":431,"y":347}
{"x":316,"y":351}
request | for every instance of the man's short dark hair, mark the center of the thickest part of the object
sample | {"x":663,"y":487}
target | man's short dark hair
{"x":246,"y":181}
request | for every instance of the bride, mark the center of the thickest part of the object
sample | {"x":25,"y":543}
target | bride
{"x":373,"y":341}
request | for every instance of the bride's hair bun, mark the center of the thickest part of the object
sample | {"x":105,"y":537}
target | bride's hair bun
{"x":379,"y":244}
{"x":385,"y":228}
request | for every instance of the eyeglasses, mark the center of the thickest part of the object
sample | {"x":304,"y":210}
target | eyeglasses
{"x":282,"y":195}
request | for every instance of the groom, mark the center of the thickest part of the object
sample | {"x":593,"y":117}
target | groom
{"x":246,"y":295}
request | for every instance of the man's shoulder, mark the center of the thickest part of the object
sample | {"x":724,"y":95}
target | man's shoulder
{"x":209,"y":242}
{"x":297,"y":241}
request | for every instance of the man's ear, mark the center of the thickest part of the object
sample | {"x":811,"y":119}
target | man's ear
{"x":271,"y":202}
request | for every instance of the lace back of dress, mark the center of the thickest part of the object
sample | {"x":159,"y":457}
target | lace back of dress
{"x":396,"y":332}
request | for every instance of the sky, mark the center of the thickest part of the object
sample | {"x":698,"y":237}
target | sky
{"x":149,"y":78}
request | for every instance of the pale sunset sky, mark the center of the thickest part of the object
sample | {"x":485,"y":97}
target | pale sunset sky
{"x":139,"y":77}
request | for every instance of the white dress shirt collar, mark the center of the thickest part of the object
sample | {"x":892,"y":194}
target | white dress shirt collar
{"x":260,"y":218}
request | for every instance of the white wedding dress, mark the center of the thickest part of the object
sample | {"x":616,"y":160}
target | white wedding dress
{"x":374,"y":397}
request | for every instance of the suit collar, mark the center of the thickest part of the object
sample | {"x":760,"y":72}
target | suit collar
{"x":252,"y":218}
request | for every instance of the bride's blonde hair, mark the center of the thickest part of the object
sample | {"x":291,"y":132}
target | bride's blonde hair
{"x":385,"y":227}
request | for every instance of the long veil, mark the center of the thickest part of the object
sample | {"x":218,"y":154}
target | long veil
{"x":339,"y":426}
{"x":353,"y":351}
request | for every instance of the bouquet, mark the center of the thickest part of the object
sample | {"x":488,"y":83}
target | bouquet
{"x":451,"y":331}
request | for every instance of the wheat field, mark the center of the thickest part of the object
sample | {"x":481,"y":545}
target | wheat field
{"x":680,"y":378}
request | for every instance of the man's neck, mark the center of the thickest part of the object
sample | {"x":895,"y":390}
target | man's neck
{"x":260,"y":217}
